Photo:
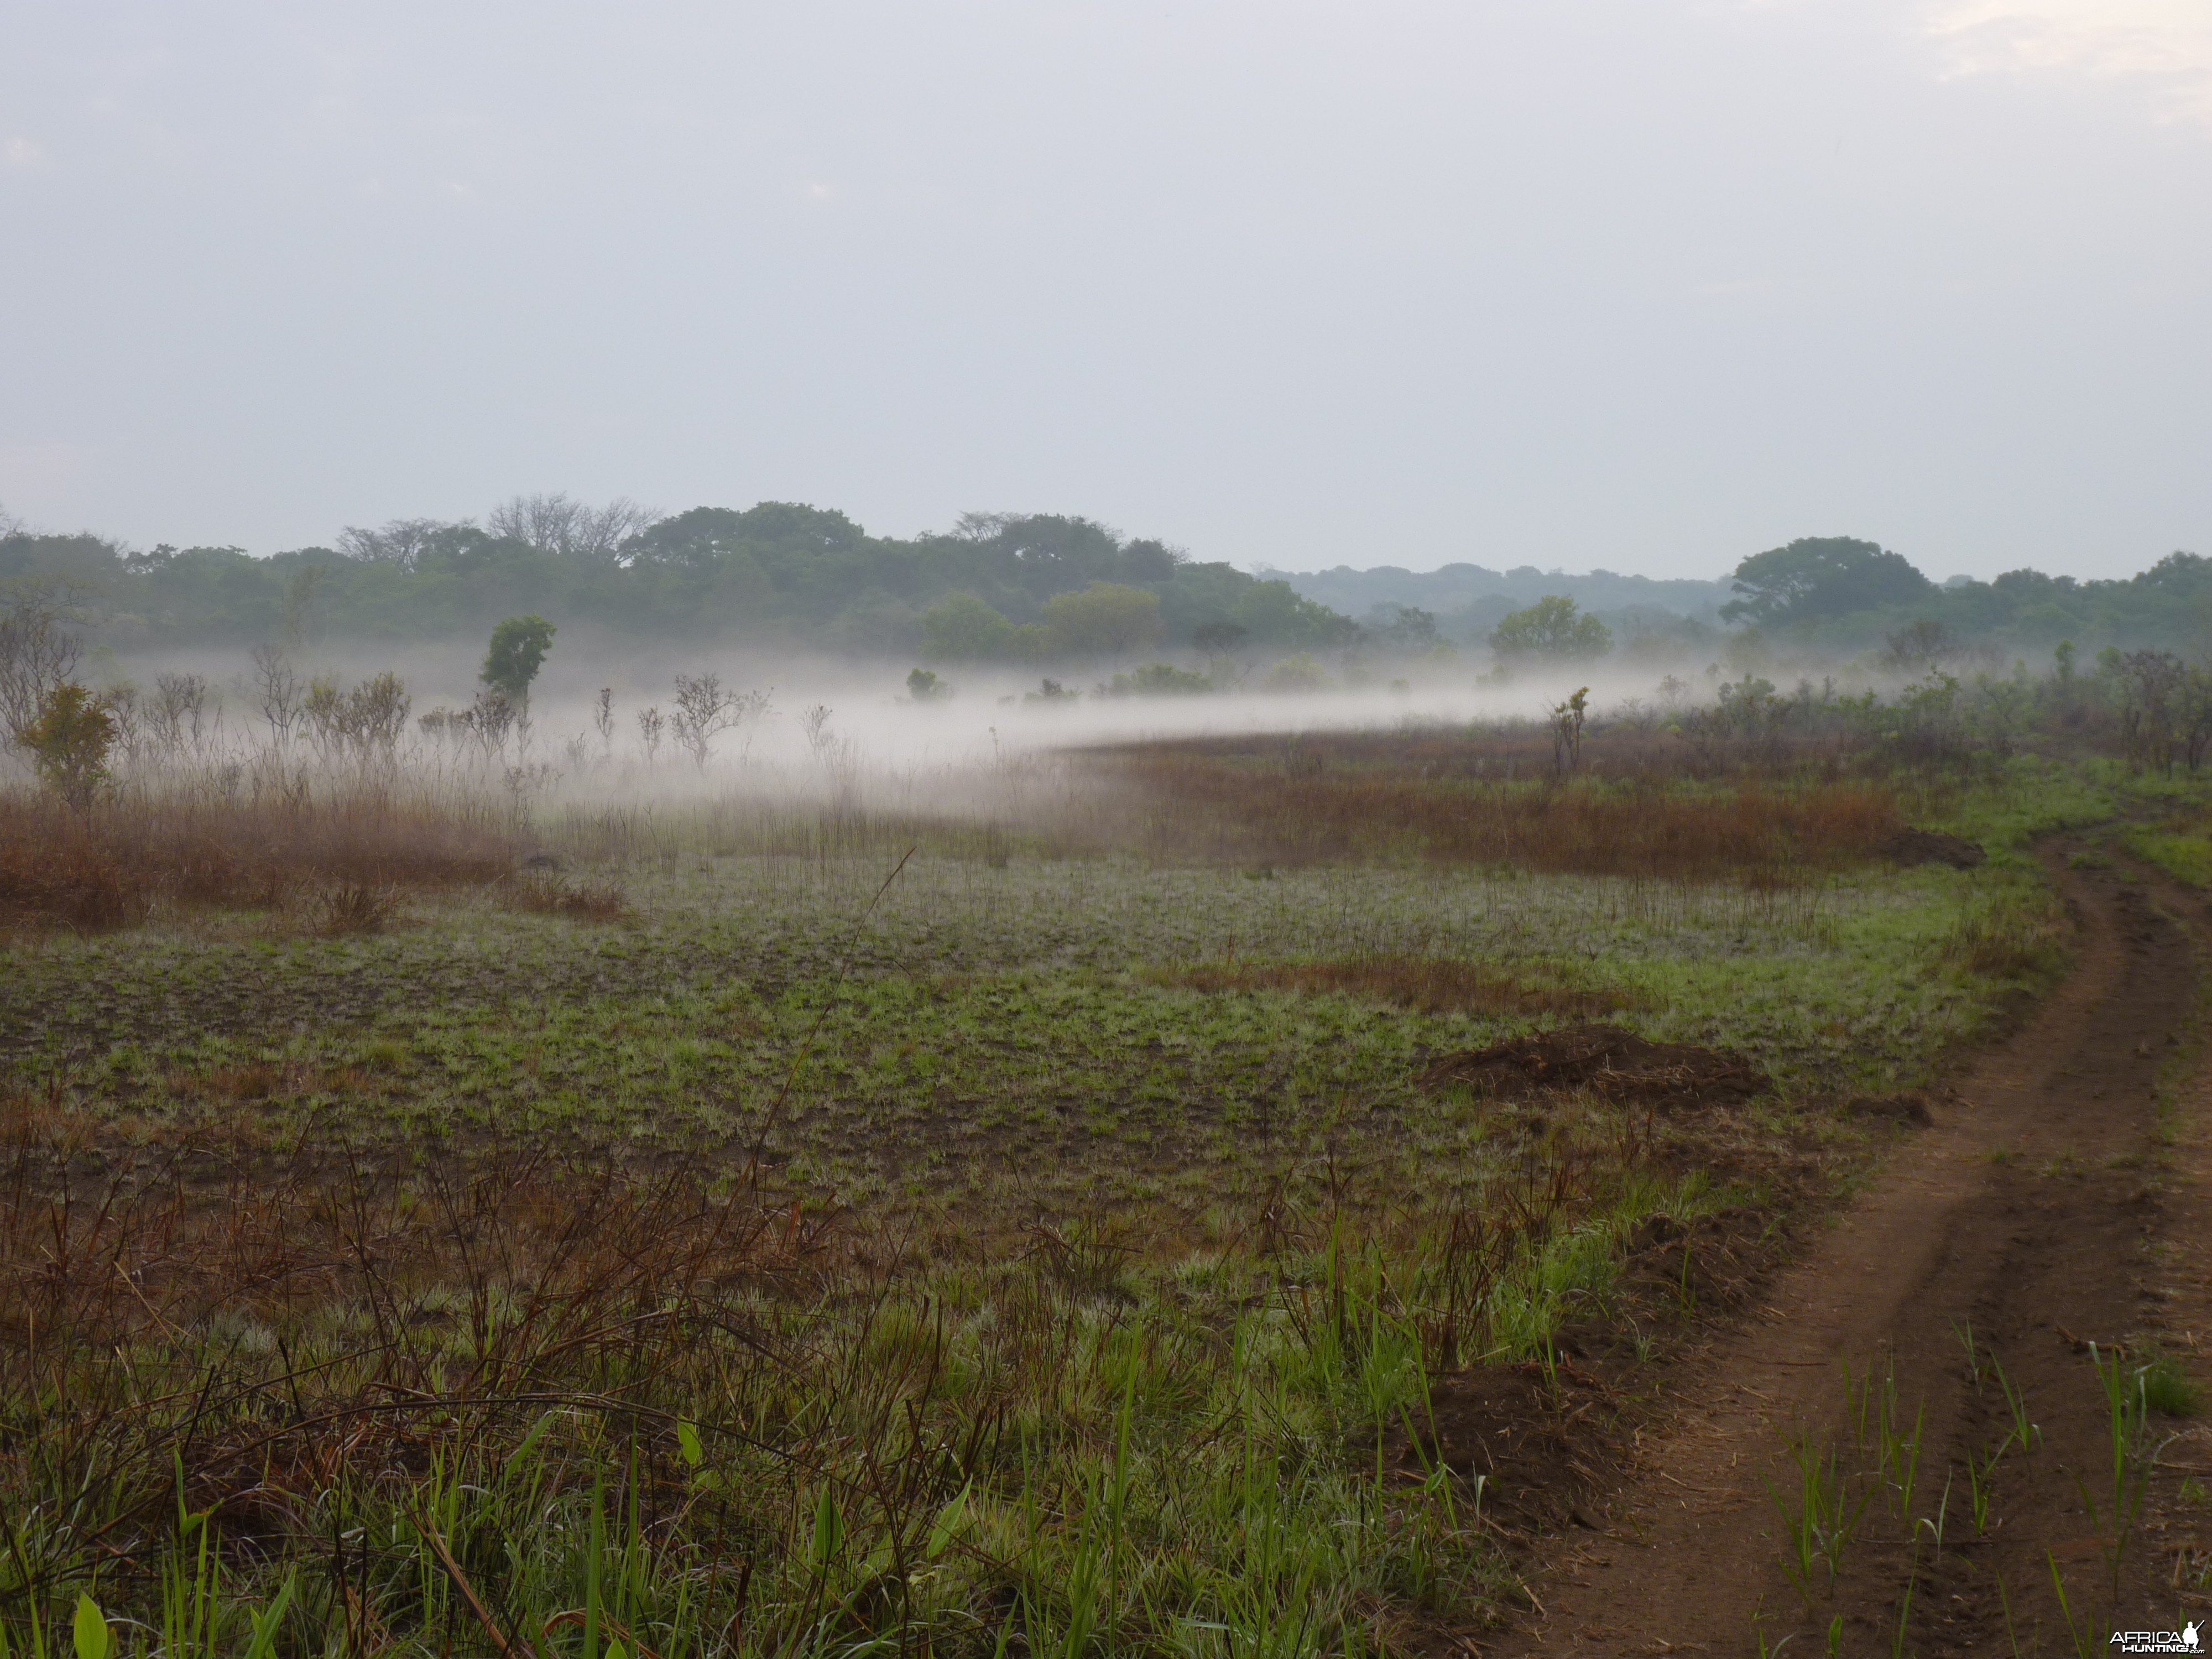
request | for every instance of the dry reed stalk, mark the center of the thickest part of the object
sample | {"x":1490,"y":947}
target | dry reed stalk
{"x":105,"y":867}
{"x":550,"y":896}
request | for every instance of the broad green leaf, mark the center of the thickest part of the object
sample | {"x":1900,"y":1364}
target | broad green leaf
{"x":265,"y":1623}
{"x":687,"y":1442}
{"x":90,"y":1630}
{"x":948,"y":1523}
{"x":829,"y":1531}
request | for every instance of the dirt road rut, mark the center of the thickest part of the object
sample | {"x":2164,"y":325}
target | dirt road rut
{"x":2029,"y":1212}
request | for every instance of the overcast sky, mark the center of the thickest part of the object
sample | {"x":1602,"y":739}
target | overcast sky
{"x":1643,"y":284}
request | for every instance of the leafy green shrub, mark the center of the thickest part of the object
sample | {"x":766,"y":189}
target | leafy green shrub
{"x":2167,"y":1390}
{"x":69,"y":740}
{"x":1299,"y":673}
{"x":518,"y":645}
{"x":1158,"y":679}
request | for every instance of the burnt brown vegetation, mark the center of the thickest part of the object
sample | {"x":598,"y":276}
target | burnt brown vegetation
{"x":416,"y":1386}
{"x":107,"y":867}
{"x":548,"y":894}
{"x":1606,"y":1061}
{"x":456,"y":1395}
{"x":1431,"y":985}
{"x":1482,"y":800}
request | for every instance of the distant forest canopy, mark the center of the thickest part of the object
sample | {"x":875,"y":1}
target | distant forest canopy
{"x":1468,"y":601}
{"x":778,"y":571}
{"x":1026,"y":588}
{"x":1834,"y":592}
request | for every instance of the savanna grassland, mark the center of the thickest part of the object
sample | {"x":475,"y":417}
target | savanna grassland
{"x":711,"y":1230}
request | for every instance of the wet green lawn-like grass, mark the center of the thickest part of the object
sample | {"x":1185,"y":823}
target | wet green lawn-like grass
{"x":980,"y":1026}
{"x":1082,"y":1299}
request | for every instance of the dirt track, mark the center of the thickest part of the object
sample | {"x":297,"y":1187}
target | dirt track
{"x":2033,"y":1208}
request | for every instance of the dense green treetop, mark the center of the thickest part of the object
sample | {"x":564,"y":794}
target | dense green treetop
{"x":1820,"y":576}
{"x":785,"y":572}
{"x":519,"y":645}
{"x":777,"y":571}
{"x":1553,"y":629}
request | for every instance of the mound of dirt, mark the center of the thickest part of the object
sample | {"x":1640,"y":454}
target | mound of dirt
{"x":1910,"y":1107}
{"x":1932,"y":846}
{"x":1529,"y":1436}
{"x":1606,"y":1061}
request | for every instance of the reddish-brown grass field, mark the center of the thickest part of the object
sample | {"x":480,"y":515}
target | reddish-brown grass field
{"x":1271,"y":802}
{"x":105,"y":868}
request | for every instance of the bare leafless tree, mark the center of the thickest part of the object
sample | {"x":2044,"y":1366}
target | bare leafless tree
{"x":816,"y":720}
{"x":363,"y":724}
{"x":982,"y":526}
{"x":37,"y":653}
{"x":492,"y":716}
{"x":176,"y":713}
{"x":402,"y":542}
{"x":651,"y":727}
{"x":124,"y":712}
{"x":557,"y":523}
{"x":279,"y":687}
{"x":704,"y":709}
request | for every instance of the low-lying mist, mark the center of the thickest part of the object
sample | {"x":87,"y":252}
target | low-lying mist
{"x":611,"y":724}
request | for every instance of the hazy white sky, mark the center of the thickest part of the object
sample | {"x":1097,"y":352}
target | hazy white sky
{"x":1648,"y":284}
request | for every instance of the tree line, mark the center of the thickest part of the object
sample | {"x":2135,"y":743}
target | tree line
{"x":1024,"y":588}
{"x":995,"y":587}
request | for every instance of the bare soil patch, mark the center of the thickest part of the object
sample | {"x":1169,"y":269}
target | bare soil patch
{"x":1605,"y":1059}
{"x":1933,"y":847}
{"x":1431,"y":985}
{"x":2024,"y":1213}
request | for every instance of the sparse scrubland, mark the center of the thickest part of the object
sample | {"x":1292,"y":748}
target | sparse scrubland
{"x":693,"y":1207}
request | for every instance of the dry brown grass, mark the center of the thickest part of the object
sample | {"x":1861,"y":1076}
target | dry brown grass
{"x":548,"y":895}
{"x":1294,"y":804}
{"x":107,"y":867}
{"x":115,"y":1265}
{"x":358,"y":908}
{"x":1432,"y":985}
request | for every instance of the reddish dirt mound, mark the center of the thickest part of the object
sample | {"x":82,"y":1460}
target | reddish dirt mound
{"x":1530,"y":1437}
{"x":1433,"y":985}
{"x":1606,"y":1061}
{"x":1910,"y":1107}
{"x":1932,"y":846}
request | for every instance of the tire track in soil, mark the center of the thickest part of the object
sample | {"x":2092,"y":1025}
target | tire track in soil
{"x":2048,"y":1244}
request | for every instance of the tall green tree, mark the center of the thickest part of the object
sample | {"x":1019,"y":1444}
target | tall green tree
{"x":1106,"y":619}
{"x":1554,"y":629}
{"x":961,"y":627}
{"x":518,"y":645}
{"x":1818,"y":576}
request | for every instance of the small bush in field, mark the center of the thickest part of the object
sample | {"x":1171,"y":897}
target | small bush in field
{"x":1299,"y":673}
{"x":550,"y":896}
{"x":69,"y":740}
{"x":357,"y":908}
{"x":2008,"y":944}
{"x":2168,"y":1388}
